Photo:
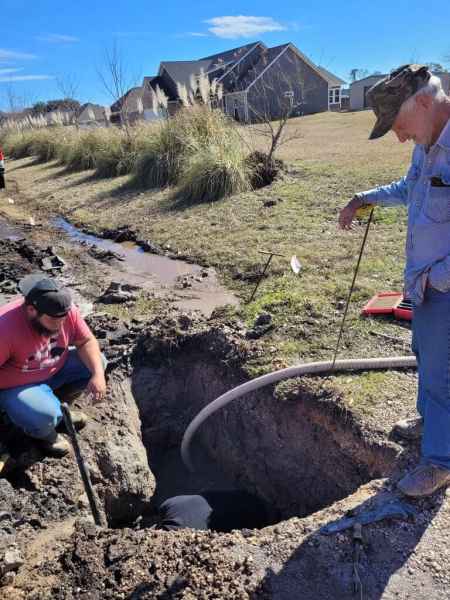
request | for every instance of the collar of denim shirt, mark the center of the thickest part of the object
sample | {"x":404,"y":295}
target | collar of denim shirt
{"x":444,"y":138}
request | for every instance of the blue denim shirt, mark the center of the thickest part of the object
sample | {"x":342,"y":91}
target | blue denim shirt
{"x":426,"y":192}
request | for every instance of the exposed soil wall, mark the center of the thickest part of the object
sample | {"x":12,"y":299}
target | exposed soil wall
{"x":294,"y":447}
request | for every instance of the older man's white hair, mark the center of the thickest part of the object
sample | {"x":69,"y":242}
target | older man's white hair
{"x":433,"y":88}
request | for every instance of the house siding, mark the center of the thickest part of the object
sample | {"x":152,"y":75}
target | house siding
{"x":358,"y":91}
{"x":288,"y":73}
{"x":235,"y":105}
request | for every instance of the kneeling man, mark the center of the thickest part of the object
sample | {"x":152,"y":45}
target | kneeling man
{"x":36,"y":332}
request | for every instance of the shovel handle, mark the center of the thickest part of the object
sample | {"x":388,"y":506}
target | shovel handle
{"x":82,"y":466}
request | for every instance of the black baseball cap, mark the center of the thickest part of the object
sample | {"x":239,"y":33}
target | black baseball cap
{"x":45,"y":295}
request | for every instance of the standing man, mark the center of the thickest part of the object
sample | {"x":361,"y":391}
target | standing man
{"x":412,"y":103}
{"x":35,"y":360}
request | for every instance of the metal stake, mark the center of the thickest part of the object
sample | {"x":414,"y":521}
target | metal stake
{"x":352,"y":286}
{"x":266,"y":266}
{"x":82,"y":466}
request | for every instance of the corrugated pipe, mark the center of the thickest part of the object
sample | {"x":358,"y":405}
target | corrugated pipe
{"x":366,"y":364}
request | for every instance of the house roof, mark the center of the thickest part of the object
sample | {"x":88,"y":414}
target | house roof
{"x":332,"y":79}
{"x":377,"y":76}
{"x":231,"y":55}
{"x":131,"y":100}
{"x":180,"y":71}
{"x":268,"y":55}
{"x":147,"y":81}
{"x":97,"y":110}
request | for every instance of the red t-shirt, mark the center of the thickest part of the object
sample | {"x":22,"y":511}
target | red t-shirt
{"x":27,"y":357}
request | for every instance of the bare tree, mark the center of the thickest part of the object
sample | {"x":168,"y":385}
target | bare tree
{"x":13,"y":100}
{"x":278,"y":96}
{"x":117,"y":80}
{"x":69,"y":85}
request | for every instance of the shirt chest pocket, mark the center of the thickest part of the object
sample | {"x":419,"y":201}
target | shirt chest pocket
{"x":437,"y":204}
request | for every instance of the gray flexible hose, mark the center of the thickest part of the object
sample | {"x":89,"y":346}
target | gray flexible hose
{"x":366,"y":364}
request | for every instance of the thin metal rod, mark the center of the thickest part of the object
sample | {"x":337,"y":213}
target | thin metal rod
{"x":260,"y":278}
{"x":82,"y":466}
{"x":272,"y":253}
{"x":351,"y":287}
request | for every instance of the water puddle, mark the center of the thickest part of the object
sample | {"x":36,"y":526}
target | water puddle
{"x":192,"y":286}
{"x":8,"y":232}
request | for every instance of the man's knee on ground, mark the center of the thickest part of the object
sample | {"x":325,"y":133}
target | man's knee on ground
{"x":41,"y":420}
{"x":42,"y":425}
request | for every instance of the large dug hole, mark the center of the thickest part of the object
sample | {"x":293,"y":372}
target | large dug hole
{"x":298,"y":454}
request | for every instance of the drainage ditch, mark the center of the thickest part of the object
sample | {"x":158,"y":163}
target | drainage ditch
{"x":190,"y":286}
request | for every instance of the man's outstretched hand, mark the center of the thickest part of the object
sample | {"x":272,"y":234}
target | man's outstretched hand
{"x":347,"y":214}
{"x":96,"y":387}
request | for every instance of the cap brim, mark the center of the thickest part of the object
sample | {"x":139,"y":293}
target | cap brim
{"x":381,"y":127}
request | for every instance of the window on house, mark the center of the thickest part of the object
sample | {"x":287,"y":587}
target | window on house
{"x":334,"y":95}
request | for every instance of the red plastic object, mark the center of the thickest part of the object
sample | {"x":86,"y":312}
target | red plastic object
{"x":386,"y":303}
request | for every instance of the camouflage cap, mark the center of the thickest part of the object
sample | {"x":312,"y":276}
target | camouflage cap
{"x":387,"y":96}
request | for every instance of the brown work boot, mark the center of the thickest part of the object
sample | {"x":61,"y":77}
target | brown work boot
{"x":409,"y":429}
{"x":57,"y":447}
{"x":424,"y":480}
{"x":79,"y":420}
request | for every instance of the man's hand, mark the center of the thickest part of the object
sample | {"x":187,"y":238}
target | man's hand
{"x":347,"y":214}
{"x":96,"y":387}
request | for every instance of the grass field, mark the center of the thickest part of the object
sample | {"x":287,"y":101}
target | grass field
{"x":330,"y":161}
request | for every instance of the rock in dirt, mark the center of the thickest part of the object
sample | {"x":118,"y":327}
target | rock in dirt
{"x":263,"y":324}
{"x":11,"y":560}
{"x":104,"y":255}
{"x":118,"y":293}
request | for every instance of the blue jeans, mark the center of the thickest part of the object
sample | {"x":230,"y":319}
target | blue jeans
{"x":431,"y":345}
{"x":34,"y":408}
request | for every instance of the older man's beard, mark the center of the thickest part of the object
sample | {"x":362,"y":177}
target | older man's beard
{"x":41,"y":329}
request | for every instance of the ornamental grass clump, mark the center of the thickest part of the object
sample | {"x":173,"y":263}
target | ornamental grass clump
{"x":17,"y":144}
{"x":81,"y":150}
{"x":161,"y":157}
{"x":120,"y":153}
{"x":45,"y":143}
{"x":215,"y":165}
{"x":214,"y":172}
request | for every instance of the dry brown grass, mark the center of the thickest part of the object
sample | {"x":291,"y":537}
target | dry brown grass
{"x":336,"y":138}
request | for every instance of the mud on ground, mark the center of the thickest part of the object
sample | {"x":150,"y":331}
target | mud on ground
{"x":299,"y":446}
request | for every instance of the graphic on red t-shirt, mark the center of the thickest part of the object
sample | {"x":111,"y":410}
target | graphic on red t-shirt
{"x":28,"y":357}
{"x":46,"y":356}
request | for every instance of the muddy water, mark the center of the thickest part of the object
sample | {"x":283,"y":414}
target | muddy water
{"x":7,"y":231}
{"x":160,"y":274}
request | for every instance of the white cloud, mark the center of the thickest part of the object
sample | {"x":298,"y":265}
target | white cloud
{"x":197,"y":34}
{"x":10,"y":78}
{"x":12,"y":55}
{"x":56,"y":38}
{"x":242,"y":26}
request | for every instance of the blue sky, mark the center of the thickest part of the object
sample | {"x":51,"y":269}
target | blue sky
{"x":46,"y":40}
